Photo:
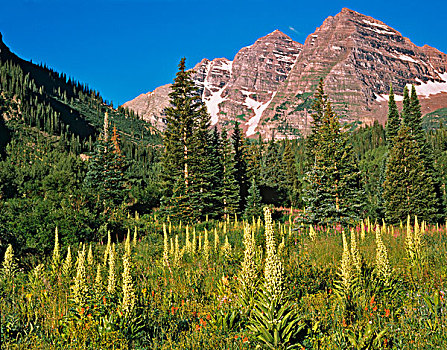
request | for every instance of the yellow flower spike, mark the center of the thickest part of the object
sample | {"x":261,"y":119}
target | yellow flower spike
{"x":56,"y":251}
{"x":247,"y":278}
{"x":273,"y":270}
{"x":382,"y":264}
{"x":90,"y":259}
{"x":80,"y":289}
{"x":66,"y":267}
{"x":206,"y":247}
{"x":165,"y":247}
{"x":216,"y":240}
{"x":346,"y":271}
{"x":129,"y":298}
{"x":9,"y":263}
{"x":135,"y":233}
{"x":111,"y":282}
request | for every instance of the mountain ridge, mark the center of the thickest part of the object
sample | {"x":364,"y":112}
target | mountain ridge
{"x":269,"y":85}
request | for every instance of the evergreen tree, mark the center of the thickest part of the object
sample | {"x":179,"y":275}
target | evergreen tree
{"x":406,"y":108}
{"x":273,"y":177}
{"x":393,"y":123}
{"x":415,"y":121}
{"x":334,"y":192}
{"x":254,"y":201}
{"x":201,"y":185}
{"x":254,"y":157}
{"x":230,"y":188}
{"x":216,"y":169}
{"x":407,"y":188}
{"x":106,"y":170}
{"x":187,"y":144}
{"x":318,"y":108}
{"x":293,"y":183}
{"x":240,"y":165}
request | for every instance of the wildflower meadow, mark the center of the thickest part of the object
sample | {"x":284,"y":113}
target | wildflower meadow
{"x":233,"y":285}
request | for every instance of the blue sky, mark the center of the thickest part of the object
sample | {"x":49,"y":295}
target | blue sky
{"x":125,"y":48}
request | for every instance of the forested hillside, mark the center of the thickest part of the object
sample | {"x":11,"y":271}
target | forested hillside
{"x":49,"y":128}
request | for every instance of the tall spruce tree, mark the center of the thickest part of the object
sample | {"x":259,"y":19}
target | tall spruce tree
{"x":230,"y":188}
{"x":216,"y":169}
{"x":393,"y":123}
{"x":406,"y":108}
{"x":186,"y":150}
{"x":334,"y":192}
{"x":408,"y":190}
{"x":318,"y":108}
{"x":240,"y":164}
{"x":273,"y":177}
{"x":293,"y":183}
{"x":106,"y":169}
{"x":414,"y":122}
{"x":254,"y":201}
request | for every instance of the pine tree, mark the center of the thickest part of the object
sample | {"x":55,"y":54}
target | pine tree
{"x":407,"y":188}
{"x":106,"y":170}
{"x":240,"y":164}
{"x":334,"y":192}
{"x":393,"y":123}
{"x":413,"y":119}
{"x":201,"y":188}
{"x":318,"y":108}
{"x":254,"y":201}
{"x":293,"y":183}
{"x":230,"y":188}
{"x":216,"y":168}
{"x":406,"y":108}
{"x":273,"y":174}
{"x":186,"y":177}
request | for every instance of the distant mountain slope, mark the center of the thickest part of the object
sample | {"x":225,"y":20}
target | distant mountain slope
{"x":269,"y":85}
{"x":233,"y":90}
{"x":61,"y":106}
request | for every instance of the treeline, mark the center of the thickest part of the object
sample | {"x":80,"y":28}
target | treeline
{"x":337,"y":177}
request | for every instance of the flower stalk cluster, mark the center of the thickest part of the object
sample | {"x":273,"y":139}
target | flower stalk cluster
{"x":382,"y":264}
{"x":80,"y":289}
{"x":66,"y":267}
{"x":346,"y":270}
{"x":226,"y":248}
{"x":129,"y":298}
{"x":248,"y":273}
{"x":273,"y":270}
{"x":9,"y":263}
{"x":111,"y":281}
{"x":57,"y":250}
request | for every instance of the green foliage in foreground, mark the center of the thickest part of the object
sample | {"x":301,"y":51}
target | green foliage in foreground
{"x":383,"y":288}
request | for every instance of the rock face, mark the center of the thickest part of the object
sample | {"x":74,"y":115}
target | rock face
{"x":233,"y":90}
{"x":358,"y":58}
{"x":269,"y":85}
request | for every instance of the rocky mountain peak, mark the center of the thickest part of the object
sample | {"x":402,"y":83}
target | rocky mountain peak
{"x":268,"y":86}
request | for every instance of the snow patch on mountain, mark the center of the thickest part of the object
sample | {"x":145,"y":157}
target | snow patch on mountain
{"x":432,"y":87}
{"x":384,"y":26}
{"x":424,"y":89}
{"x":212,"y":104}
{"x":258,"y":108}
{"x":378,"y":25}
{"x":407,"y":58}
